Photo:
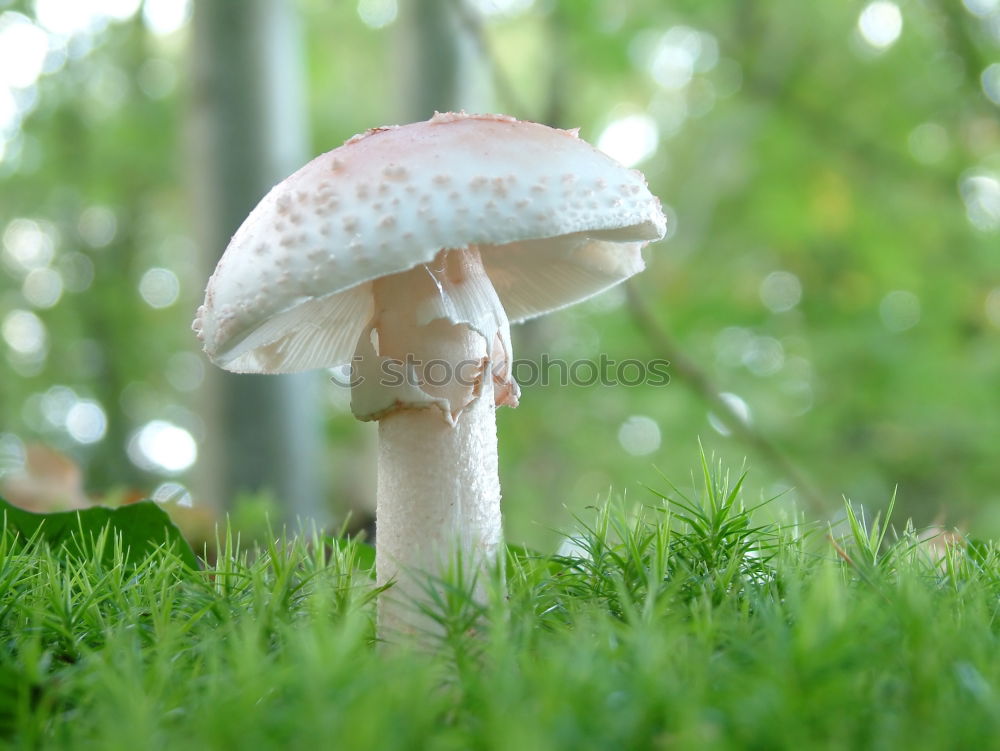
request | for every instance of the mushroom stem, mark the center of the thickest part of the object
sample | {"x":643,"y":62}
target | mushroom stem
{"x":434,"y":365}
{"x":438,"y":505}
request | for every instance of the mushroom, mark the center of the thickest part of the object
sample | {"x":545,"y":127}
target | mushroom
{"x":407,"y":252}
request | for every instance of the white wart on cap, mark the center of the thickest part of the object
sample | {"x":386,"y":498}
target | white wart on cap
{"x":555,"y":221}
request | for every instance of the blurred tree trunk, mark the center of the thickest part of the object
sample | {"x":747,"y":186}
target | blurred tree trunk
{"x":440,"y":62}
{"x":248,"y":130}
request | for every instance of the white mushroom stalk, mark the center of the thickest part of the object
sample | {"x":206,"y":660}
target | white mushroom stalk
{"x":431,"y":368}
{"x":406,"y":251}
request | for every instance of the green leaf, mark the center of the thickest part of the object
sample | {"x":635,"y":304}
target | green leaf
{"x":142,"y":527}
{"x":524,"y":552}
{"x":364,"y":553}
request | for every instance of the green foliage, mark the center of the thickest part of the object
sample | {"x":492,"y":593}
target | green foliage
{"x":126,"y":534}
{"x":686,"y":623}
{"x":799,"y":150}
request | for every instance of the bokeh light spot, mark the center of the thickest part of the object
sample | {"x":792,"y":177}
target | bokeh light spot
{"x":162,"y":446}
{"x":119,"y":10}
{"x":672,"y":64}
{"x":159,"y":287}
{"x":630,"y":139}
{"x":899,"y":310}
{"x":737,"y":405}
{"x":163,"y":17}
{"x":86,"y":422}
{"x":26,"y":246}
{"x":678,"y":54}
{"x":23,"y":47}
{"x":70,"y":17}
{"x":65,"y":17}
{"x":24,"y":332}
{"x":639,"y":435}
{"x":880,"y":24}
{"x":9,"y":113}
{"x":12,"y":453}
{"x":97,"y":226}
{"x":377,"y":14}
{"x":502,"y":7}
{"x":77,"y":271}
{"x":42,"y":287}
{"x":981,"y":193}
{"x":56,"y":404}
{"x":780,"y":291}
{"x":982,"y":8}
{"x":765,"y":356}
{"x":173,"y":492}
{"x":990,"y":80}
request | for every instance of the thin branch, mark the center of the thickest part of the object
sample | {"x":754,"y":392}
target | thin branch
{"x":687,"y":371}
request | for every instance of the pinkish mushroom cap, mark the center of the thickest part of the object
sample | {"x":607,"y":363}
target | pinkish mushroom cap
{"x":556,"y":221}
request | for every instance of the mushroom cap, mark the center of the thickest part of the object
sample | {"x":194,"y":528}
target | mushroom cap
{"x":556,"y":221}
